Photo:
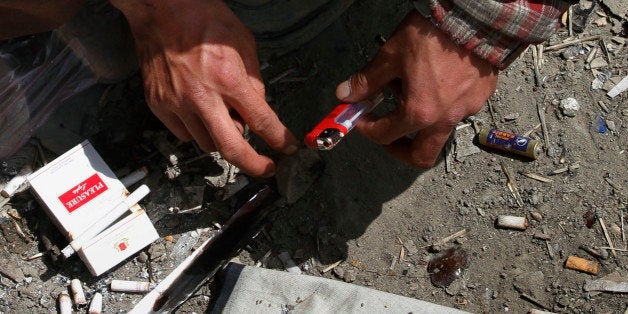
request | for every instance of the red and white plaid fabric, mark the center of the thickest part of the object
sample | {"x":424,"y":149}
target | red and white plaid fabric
{"x":497,"y":30}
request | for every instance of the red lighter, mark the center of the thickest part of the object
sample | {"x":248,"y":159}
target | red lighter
{"x":339,"y":122}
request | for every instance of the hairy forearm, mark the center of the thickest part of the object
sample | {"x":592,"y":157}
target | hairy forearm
{"x":24,"y":17}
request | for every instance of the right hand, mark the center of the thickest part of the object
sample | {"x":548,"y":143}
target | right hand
{"x":202,"y":78}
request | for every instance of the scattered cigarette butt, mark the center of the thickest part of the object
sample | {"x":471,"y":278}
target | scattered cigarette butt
{"x":77,"y":292}
{"x":16,"y":182}
{"x":581,"y":264}
{"x":169,"y":238}
{"x":134,"y":177}
{"x":96,"y":306}
{"x":64,"y":303}
{"x":288,"y":263}
{"x":512,"y":222}
{"x":30,"y":258}
{"x":542,"y":236}
{"x":607,"y":286}
{"x":131,"y":286}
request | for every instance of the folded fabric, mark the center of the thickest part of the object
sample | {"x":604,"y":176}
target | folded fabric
{"x":258,"y":290}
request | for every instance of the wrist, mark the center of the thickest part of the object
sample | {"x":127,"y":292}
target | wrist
{"x":150,"y":18}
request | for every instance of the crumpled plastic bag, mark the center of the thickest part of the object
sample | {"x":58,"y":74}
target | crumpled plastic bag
{"x":37,"y":74}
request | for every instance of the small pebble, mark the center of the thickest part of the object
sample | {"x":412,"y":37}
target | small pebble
{"x":142,"y":258}
{"x":610,"y":125}
{"x":536,"y":216}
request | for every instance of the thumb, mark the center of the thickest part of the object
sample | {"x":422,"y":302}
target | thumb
{"x":368,"y":81}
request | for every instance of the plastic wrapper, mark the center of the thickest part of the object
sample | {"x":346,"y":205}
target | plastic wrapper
{"x":37,"y":74}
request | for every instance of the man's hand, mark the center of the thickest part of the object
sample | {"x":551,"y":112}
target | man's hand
{"x":202,"y":78}
{"x":436,"y":82}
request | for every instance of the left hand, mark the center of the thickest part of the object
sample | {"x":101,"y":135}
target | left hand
{"x":437,"y":83}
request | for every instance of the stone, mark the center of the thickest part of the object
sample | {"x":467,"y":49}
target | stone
{"x":569,"y":107}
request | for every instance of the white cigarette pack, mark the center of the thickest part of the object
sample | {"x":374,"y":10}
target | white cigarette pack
{"x":77,"y":189}
{"x":118,"y":242}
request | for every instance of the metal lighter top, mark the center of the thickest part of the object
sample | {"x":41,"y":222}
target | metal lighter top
{"x":327,"y":133}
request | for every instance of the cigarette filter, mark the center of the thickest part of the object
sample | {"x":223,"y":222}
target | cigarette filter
{"x":131,"y":286}
{"x":77,"y":292}
{"x":65,"y":303}
{"x":509,"y":142}
{"x":96,"y":306}
{"x":339,"y":122}
{"x":581,"y":264}
{"x":512,"y":222}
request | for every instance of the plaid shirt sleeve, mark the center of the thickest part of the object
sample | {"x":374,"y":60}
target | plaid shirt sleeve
{"x":496,"y":30}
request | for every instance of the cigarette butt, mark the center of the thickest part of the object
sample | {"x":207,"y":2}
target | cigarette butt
{"x":96,"y":306}
{"x":65,"y":303}
{"x":583,"y":265}
{"x":77,"y":292}
{"x":16,"y":182}
{"x":512,"y":222}
{"x":131,"y":286}
{"x":134,"y":177}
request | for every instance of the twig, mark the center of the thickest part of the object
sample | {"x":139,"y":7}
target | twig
{"x":449,"y":154}
{"x":537,"y":62}
{"x":572,"y":42}
{"x":550,"y":250}
{"x":610,"y":248}
{"x":536,"y":177}
{"x":541,"y":111}
{"x":512,"y":185}
{"x":623,"y":234}
{"x":606,"y":235}
{"x":492,"y":112}
{"x":570,"y":20}
{"x":532,"y":130}
{"x":332,"y":266}
{"x":458,"y":234}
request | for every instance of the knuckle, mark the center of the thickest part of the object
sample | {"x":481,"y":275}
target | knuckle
{"x":359,"y":81}
{"x":232,"y":152}
{"x":262,"y":122}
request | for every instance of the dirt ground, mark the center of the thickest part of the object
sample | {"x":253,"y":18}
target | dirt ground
{"x":377,"y":216}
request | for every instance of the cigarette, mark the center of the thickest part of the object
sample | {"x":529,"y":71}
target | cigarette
{"x":16,"y":182}
{"x":96,"y":306}
{"x":134,"y":177}
{"x":288,"y":263}
{"x":512,"y":222}
{"x":583,"y":265}
{"x":65,"y":303}
{"x":107,"y":220}
{"x":77,"y":292}
{"x":131,"y":286}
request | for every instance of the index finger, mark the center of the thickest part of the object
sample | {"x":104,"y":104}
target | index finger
{"x":261,"y":119}
{"x":233,"y":147}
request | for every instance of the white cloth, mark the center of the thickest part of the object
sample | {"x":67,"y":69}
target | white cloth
{"x":258,"y":290}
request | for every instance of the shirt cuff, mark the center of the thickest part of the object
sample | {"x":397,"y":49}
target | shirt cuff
{"x":497,"y":31}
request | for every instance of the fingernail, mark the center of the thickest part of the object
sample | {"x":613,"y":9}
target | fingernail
{"x":344,"y":90}
{"x":291,"y":149}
